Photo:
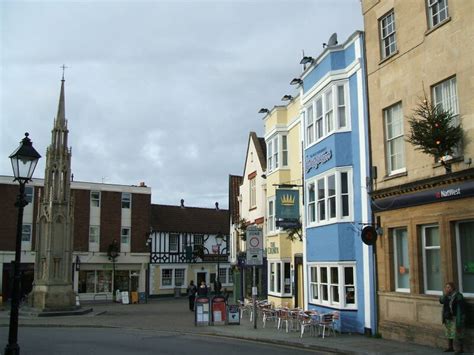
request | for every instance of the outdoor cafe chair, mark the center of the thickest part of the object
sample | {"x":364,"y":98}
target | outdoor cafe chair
{"x":328,"y":321}
{"x":307,"y":321}
{"x":283,"y":317}
{"x":268,"y":314}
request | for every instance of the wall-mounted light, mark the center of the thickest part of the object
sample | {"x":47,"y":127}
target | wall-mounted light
{"x":287,"y":98}
{"x":296,"y":81}
{"x":307,"y":60}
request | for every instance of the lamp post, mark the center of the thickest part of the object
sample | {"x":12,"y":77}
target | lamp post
{"x":24,"y":160}
{"x":113,"y":253}
{"x":217,"y":284}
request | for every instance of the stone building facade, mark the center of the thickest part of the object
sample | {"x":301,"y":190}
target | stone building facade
{"x":415,"y":50}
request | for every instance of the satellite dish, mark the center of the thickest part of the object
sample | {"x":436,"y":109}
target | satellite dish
{"x":332,"y":40}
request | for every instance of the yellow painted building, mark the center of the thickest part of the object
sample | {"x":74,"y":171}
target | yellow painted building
{"x":284,"y":256}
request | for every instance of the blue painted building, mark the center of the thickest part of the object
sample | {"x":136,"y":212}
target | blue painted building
{"x":339,"y":267}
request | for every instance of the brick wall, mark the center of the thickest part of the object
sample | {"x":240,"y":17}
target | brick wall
{"x":81,"y":219}
{"x":9,"y":216}
{"x":140,"y":222}
{"x":110,"y":218}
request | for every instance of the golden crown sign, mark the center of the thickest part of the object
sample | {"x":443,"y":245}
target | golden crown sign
{"x":288,"y":200}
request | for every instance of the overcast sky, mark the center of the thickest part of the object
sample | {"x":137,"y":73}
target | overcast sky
{"x":164,"y":92}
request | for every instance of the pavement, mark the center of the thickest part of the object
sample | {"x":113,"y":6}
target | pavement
{"x":173,"y":315}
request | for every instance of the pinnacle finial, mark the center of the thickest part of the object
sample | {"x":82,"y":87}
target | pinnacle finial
{"x":63,"y":67}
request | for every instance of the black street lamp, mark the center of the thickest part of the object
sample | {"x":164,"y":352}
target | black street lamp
{"x":24,"y":160}
{"x":113,"y":253}
{"x":217,"y":284}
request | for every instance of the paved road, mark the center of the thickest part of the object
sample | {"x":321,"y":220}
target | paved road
{"x":106,"y":341}
{"x":173,"y":316}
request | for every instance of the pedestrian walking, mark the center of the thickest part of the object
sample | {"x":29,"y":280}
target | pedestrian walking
{"x":454,"y":316}
{"x":192,"y":290}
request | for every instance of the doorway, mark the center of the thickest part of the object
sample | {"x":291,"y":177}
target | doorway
{"x":201,"y":276}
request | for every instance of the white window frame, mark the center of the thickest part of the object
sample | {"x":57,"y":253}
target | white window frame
{"x":175,"y":244}
{"x":198,"y":241}
{"x":173,"y":277}
{"x":388,"y":39}
{"x":277,"y":152}
{"x":397,"y":257}
{"x":125,"y":239}
{"x":315,"y":295}
{"x":424,"y":249}
{"x":445,"y":95}
{"x":315,"y":206}
{"x":253,"y":192}
{"x":327,"y":108}
{"x":95,"y":199}
{"x":26,"y":231}
{"x":459,"y":261}
{"x":226,"y":276}
{"x":126,"y":200}
{"x":29,"y":193}
{"x":437,"y":12}
{"x":393,"y":115}
{"x":277,"y":280}
{"x":94,"y":238}
{"x":271,"y":227}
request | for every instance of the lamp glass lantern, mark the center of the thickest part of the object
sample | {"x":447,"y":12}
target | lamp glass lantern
{"x":24,"y":160}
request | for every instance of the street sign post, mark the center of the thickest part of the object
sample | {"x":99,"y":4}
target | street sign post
{"x":254,"y":246}
{"x":254,"y":257}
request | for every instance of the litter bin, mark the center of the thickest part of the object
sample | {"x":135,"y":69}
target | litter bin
{"x":177,"y":292}
{"x":218,"y":310}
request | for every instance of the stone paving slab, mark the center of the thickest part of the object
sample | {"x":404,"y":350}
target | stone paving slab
{"x":173,"y":315}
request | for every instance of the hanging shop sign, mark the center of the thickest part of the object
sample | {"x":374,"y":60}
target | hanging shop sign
{"x":287,"y":212}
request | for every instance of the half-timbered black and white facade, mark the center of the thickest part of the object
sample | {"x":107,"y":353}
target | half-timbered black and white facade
{"x":183,"y":247}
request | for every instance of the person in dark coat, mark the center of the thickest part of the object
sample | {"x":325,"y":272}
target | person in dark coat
{"x":192,"y":290}
{"x":454,"y":316}
{"x":202,"y":289}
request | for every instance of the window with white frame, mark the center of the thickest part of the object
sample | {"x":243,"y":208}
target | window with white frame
{"x":29,"y":194}
{"x":279,"y":282}
{"x":173,"y":243}
{"x":329,"y":196}
{"x":311,"y":203}
{"x":271,"y":215}
{"x":26,"y":233}
{"x":284,"y":150}
{"x":126,"y":199}
{"x":310,"y":124}
{"x":198,"y":241}
{"x":395,"y":149}
{"x":277,"y":147}
{"x":125,"y":236}
{"x":388,"y":42}
{"x":431,"y":259}
{"x":437,"y":12}
{"x":319,"y":118}
{"x":331,"y":112}
{"x":401,"y":259}
{"x":253,"y":192}
{"x":94,"y":234}
{"x":95,"y":198}
{"x":465,"y":244}
{"x":445,"y":96}
{"x":328,"y":112}
{"x":333,"y":285}
{"x":173,"y":277}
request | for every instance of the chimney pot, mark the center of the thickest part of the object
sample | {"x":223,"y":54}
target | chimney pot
{"x":182,"y":203}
